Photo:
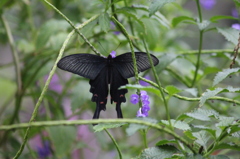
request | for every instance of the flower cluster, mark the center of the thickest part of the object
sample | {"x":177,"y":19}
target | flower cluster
{"x":143,"y":111}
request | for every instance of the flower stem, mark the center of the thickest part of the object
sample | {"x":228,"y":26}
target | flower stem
{"x":200,"y":44}
{"x":159,"y":85}
{"x":115,"y":143}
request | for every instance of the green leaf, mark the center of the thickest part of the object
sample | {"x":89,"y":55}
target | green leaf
{"x":47,"y":30}
{"x":101,"y":127}
{"x":203,"y":25}
{"x":164,"y":142}
{"x":203,"y":114}
{"x":172,"y":90}
{"x":225,"y":121}
{"x":165,"y":60}
{"x":237,"y":3}
{"x":231,"y":89}
{"x":189,"y":134}
{"x":210,"y":70}
{"x":219,"y":157}
{"x":236,"y":134}
{"x":57,"y":40}
{"x":197,"y":156}
{"x":135,"y":127}
{"x":223,"y":74}
{"x":156,"y":5}
{"x":152,"y":31}
{"x":136,"y":86}
{"x":62,"y":138}
{"x":208,"y":94}
{"x":220,"y":17}
{"x":160,"y":152}
{"x":104,"y":21}
{"x":230,"y":34}
{"x":177,"y":124}
{"x":78,"y":98}
{"x":130,"y":12}
{"x":201,"y":138}
{"x":231,"y":146}
{"x":184,"y":19}
{"x":192,"y":91}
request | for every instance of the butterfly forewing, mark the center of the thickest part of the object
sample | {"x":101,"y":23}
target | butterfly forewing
{"x":124,"y":63}
{"x":86,"y":65}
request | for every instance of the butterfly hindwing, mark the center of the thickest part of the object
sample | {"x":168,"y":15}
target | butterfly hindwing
{"x":124,"y":63}
{"x":99,"y":89}
{"x":117,"y":95}
{"x":86,"y":65}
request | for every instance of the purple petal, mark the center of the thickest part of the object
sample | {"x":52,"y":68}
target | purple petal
{"x":44,"y":151}
{"x":208,"y":4}
{"x":134,"y":99}
{"x":236,"y":26}
{"x":145,"y":102}
{"x":144,"y":97}
{"x":145,"y":108}
{"x":113,"y":54}
{"x":143,"y":93}
{"x":140,"y":114}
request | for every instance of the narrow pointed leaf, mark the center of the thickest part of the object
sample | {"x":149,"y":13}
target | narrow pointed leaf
{"x":157,"y":4}
{"x":223,"y":74}
{"x":230,"y":34}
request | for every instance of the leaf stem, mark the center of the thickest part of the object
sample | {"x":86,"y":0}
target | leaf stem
{"x":159,"y":85}
{"x":198,"y":58}
{"x":200,"y":45}
{"x":115,"y":143}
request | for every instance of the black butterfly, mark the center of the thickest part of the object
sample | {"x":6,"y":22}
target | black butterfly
{"x":103,"y":71}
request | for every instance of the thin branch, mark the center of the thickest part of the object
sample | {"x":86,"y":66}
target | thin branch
{"x":96,"y":121}
{"x":34,"y":114}
{"x":15,"y":55}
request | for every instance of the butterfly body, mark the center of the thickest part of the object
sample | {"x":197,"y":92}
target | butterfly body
{"x":103,"y":72}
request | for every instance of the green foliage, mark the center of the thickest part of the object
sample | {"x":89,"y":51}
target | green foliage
{"x":160,"y":152}
{"x":194,"y":95}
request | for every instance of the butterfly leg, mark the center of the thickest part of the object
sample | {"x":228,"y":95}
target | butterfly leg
{"x":119,"y":111}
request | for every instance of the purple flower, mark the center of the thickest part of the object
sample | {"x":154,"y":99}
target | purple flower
{"x":113,"y":54}
{"x":143,"y":83}
{"x":140,"y":114}
{"x":134,"y":99}
{"x":45,"y":150}
{"x":145,"y":102}
{"x":236,"y":26}
{"x":143,"y":111}
{"x":208,"y":4}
